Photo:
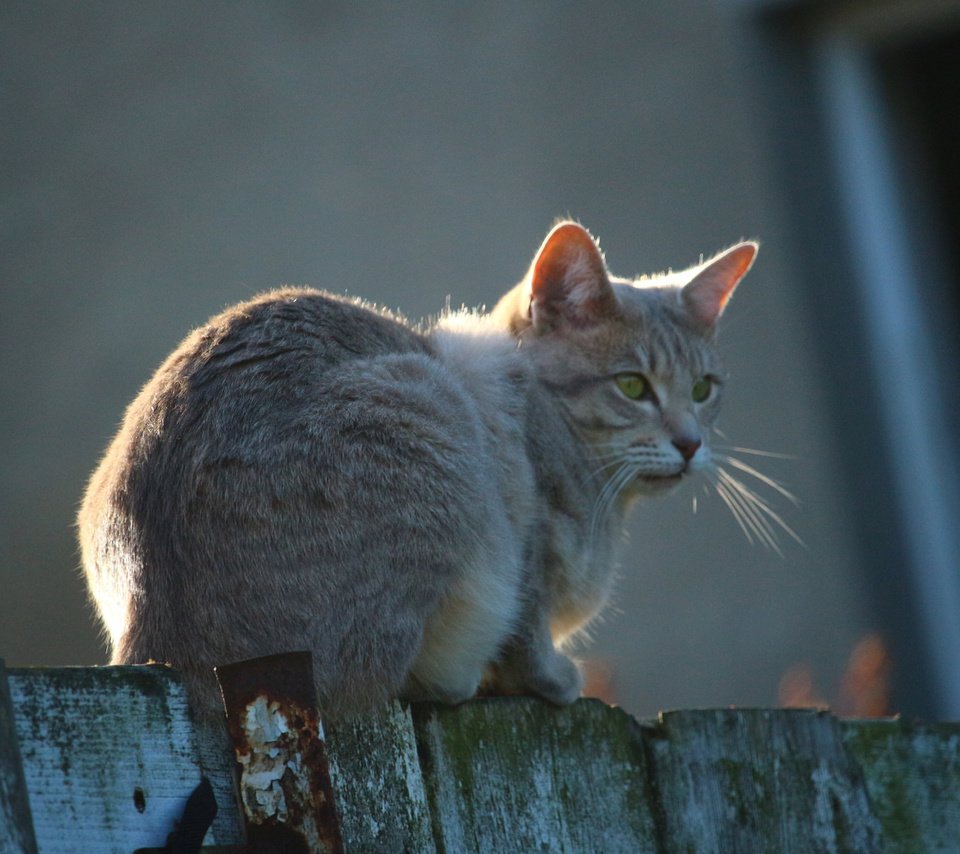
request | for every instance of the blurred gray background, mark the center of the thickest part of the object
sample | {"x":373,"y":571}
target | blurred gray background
{"x":161,"y":161}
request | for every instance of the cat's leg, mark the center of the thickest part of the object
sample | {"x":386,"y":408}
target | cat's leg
{"x":466,"y":631}
{"x":530,"y":664}
{"x":453,"y":690}
{"x":397,"y":508}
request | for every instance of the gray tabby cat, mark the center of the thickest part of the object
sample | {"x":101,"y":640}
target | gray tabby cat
{"x":429,"y":512}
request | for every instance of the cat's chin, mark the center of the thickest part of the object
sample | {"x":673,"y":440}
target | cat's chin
{"x":658,"y":484}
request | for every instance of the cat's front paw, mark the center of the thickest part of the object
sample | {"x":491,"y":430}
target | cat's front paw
{"x":560,"y":682}
{"x":554,"y":678}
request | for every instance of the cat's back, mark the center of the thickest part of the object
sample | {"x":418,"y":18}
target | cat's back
{"x":254,"y":364}
{"x":304,"y":471}
{"x":309,"y":328}
{"x":242,"y":390}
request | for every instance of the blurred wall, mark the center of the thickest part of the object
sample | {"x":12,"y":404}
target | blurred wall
{"x":161,"y":161}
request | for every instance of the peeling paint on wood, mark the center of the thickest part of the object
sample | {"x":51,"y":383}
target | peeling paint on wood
{"x":517,"y":774}
{"x":111,"y":755}
{"x":266,"y":763}
{"x":277,"y":737}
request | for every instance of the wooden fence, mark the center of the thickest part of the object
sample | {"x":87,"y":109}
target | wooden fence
{"x":109,"y":759}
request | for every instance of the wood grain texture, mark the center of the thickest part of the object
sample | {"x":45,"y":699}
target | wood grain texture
{"x":912,"y":773}
{"x":748,"y":780}
{"x":517,"y":774}
{"x":110,"y":756}
{"x":16,"y":824}
{"x":378,"y":785}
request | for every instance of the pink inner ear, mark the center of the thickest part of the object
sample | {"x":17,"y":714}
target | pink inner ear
{"x":568,"y":253}
{"x":568,"y":278}
{"x":707,"y":294}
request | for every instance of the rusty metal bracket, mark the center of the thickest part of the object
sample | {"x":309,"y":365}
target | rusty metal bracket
{"x":277,"y":735}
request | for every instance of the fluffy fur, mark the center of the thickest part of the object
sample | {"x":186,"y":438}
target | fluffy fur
{"x":428,"y":512}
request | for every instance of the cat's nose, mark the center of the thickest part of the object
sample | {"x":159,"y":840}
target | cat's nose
{"x":687,"y":447}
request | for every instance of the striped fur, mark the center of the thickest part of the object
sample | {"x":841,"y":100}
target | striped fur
{"x":428,"y":512}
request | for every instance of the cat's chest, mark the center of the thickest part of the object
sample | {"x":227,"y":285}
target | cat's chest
{"x":577,"y":574}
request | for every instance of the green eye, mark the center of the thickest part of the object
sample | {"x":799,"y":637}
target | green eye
{"x":701,"y":389}
{"x":633,"y":386}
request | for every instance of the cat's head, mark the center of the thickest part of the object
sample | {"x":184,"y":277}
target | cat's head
{"x":633,"y":362}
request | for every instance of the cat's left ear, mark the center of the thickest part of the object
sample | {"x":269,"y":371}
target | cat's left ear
{"x":568,"y":281}
{"x":708,"y":292}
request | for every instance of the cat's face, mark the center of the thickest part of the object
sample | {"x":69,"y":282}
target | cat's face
{"x":649,"y":391}
{"x":634,"y":363}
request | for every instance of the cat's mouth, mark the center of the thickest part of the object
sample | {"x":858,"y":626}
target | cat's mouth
{"x":660,"y":482}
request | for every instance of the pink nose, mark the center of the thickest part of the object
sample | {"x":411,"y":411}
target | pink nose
{"x":687,"y":447}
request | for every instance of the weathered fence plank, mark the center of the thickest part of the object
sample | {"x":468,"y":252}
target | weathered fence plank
{"x":912,"y":773}
{"x":516,"y":774}
{"x":748,"y":780}
{"x":378,"y":784}
{"x":16,"y":824}
{"x":111,"y":755}
{"x":104,"y":759}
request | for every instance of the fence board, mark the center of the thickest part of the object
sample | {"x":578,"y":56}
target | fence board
{"x":379,"y":789}
{"x":110,"y":756}
{"x":748,"y":780}
{"x":913,"y":777}
{"x":516,"y":774}
{"x":16,"y":824}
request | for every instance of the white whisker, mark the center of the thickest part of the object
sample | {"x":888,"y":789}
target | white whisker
{"x":610,"y":463}
{"x":749,"y":514}
{"x":765,"y":517}
{"x":616,"y":468}
{"x":734,"y":509}
{"x":753,"y":509}
{"x":756,"y":452}
{"x":615,"y":484}
{"x":759,"y":475}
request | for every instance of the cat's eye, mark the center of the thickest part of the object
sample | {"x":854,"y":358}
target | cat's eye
{"x":701,"y":389}
{"x":634,"y":386}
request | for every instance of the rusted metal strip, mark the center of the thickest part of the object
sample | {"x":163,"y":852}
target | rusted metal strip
{"x":285,"y":783}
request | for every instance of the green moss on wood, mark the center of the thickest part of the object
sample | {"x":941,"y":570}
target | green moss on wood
{"x":912,"y":774}
{"x":518,"y":772}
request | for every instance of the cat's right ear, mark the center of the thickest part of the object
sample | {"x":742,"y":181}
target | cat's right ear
{"x":708,"y":292}
{"x":568,"y":282}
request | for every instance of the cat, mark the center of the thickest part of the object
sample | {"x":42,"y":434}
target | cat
{"x":429,"y":510}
